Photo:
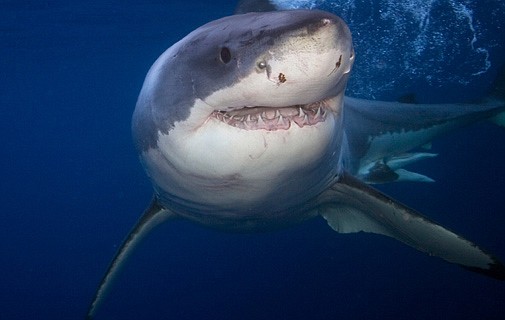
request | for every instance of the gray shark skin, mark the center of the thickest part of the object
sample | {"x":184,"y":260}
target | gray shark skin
{"x":243,"y":126}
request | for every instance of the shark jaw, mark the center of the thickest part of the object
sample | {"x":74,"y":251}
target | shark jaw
{"x":272,"y":119}
{"x":220,"y":163}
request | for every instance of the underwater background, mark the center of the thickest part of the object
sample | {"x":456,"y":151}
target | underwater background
{"x":72,"y":186}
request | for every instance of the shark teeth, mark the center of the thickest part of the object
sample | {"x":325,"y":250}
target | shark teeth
{"x":271,"y":118}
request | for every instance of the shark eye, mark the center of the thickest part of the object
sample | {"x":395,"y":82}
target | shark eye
{"x":225,"y":55}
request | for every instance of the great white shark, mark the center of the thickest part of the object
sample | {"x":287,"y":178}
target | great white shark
{"x":243,"y":126}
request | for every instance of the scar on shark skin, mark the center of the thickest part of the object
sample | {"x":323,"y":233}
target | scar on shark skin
{"x":339,"y":62}
{"x":337,"y":65}
{"x":282,"y":77}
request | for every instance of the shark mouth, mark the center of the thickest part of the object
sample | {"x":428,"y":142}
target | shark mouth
{"x":272,"y":118}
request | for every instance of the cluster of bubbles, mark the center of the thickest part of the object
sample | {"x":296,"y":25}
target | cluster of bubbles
{"x":405,"y":45}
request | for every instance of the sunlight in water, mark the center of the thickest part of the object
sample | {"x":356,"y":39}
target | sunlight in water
{"x":435,"y":41}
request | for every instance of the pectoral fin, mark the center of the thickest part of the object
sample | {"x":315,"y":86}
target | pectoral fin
{"x":352,"y":206}
{"x":153,"y":216}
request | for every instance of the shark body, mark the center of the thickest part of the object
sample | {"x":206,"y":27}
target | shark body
{"x":243,"y":126}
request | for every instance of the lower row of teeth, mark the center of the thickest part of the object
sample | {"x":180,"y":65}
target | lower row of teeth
{"x":269,"y":120}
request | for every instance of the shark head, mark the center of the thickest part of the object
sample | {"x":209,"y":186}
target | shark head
{"x":243,"y":106}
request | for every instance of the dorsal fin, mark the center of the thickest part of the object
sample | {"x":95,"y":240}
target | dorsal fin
{"x":498,"y":93}
{"x":408,"y":98}
{"x":497,"y":89}
{"x":153,"y":216}
{"x":245,"y":6}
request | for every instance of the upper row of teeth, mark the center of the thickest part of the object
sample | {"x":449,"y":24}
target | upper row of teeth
{"x":320,"y":113}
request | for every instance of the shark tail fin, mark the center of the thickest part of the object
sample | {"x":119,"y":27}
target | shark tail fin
{"x":153,"y":216}
{"x":499,"y":119}
{"x":351,"y":206}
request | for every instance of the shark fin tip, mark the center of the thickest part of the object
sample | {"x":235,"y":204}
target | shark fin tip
{"x":496,"y":270}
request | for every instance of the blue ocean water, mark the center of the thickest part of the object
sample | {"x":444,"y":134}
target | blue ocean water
{"x":72,"y":186}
